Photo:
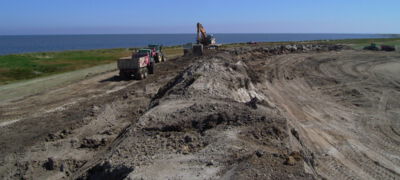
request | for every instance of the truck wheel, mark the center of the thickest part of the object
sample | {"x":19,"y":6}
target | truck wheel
{"x":151,"y":68}
{"x":139,"y":75}
{"x":157,"y":59}
{"x":145,"y":73}
{"x":122,"y":75}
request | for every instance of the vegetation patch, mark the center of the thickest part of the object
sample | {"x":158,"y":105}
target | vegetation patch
{"x":32,"y":65}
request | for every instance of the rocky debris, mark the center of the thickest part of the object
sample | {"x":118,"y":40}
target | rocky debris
{"x":293,"y":158}
{"x":254,"y":102}
{"x":296,"y":155}
{"x":210,"y":163}
{"x":59,"y":135}
{"x":285,"y":49}
{"x":93,"y":142}
{"x":259,"y":153}
{"x":50,"y":164}
{"x":290,"y":160}
{"x":106,"y":170}
{"x":108,"y":132}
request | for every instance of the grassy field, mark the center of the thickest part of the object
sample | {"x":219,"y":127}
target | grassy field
{"x":32,"y":65}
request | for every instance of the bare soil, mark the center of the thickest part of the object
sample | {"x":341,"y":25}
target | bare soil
{"x":290,"y":112}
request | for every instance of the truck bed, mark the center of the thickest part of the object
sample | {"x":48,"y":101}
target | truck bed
{"x":126,"y":63}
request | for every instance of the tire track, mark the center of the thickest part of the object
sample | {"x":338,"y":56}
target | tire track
{"x":359,"y":124}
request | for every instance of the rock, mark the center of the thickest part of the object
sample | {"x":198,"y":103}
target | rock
{"x":296,"y":155}
{"x":93,"y":142}
{"x":62,"y":167}
{"x":253,"y":102}
{"x":62,"y":135}
{"x":66,"y":131}
{"x":290,"y":161}
{"x":51,"y":136}
{"x":185,"y":149}
{"x":188,"y":139}
{"x":107,"y":132}
{"x":260,"y":153}
{"x":210,"y":163}
{"x":50,"y":164}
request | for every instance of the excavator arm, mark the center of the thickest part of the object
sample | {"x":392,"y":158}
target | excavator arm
{"x":201,"y":33}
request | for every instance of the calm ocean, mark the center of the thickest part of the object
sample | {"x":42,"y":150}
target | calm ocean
{"x":43,"y":43}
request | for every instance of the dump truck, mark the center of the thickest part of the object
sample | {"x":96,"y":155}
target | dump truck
{"x":140,"y":64}
{"x":388,"y":48}
{"x":159,"y":55}
{"x":374,"y":47}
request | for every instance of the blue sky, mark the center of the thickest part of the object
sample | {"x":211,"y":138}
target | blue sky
{"x":180,"y":16}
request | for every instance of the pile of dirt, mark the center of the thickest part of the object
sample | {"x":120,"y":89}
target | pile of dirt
{"x":208,"y":122}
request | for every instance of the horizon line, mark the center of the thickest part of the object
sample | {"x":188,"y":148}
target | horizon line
{"x":73,"y":34}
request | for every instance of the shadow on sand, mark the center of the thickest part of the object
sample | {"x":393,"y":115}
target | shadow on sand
{"x":115,"y":78}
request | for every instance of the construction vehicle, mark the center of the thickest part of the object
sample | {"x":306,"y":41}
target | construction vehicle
{"x":203,"y":41}
{"x":203,"y":38}
{"x":374,"y":47}
{"x":159,"y":56}
{"x":388,"y":48}
{"x":140,"y":64}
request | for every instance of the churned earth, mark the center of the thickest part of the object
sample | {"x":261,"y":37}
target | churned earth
{"x":261,"y":112}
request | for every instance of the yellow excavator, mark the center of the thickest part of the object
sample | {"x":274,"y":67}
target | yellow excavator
{"x":204,"y":41}
{"x":203,"y":38}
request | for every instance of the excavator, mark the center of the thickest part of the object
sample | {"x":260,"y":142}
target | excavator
{"x":204,"y":41}
{"x":203,"y":38}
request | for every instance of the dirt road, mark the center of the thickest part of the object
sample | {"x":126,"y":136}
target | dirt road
{"x":245,"y":113}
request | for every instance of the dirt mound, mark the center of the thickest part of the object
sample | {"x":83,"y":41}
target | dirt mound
{"x":207,"y":123}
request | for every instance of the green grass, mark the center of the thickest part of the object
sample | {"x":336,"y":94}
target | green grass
{"x":32,"y":65}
